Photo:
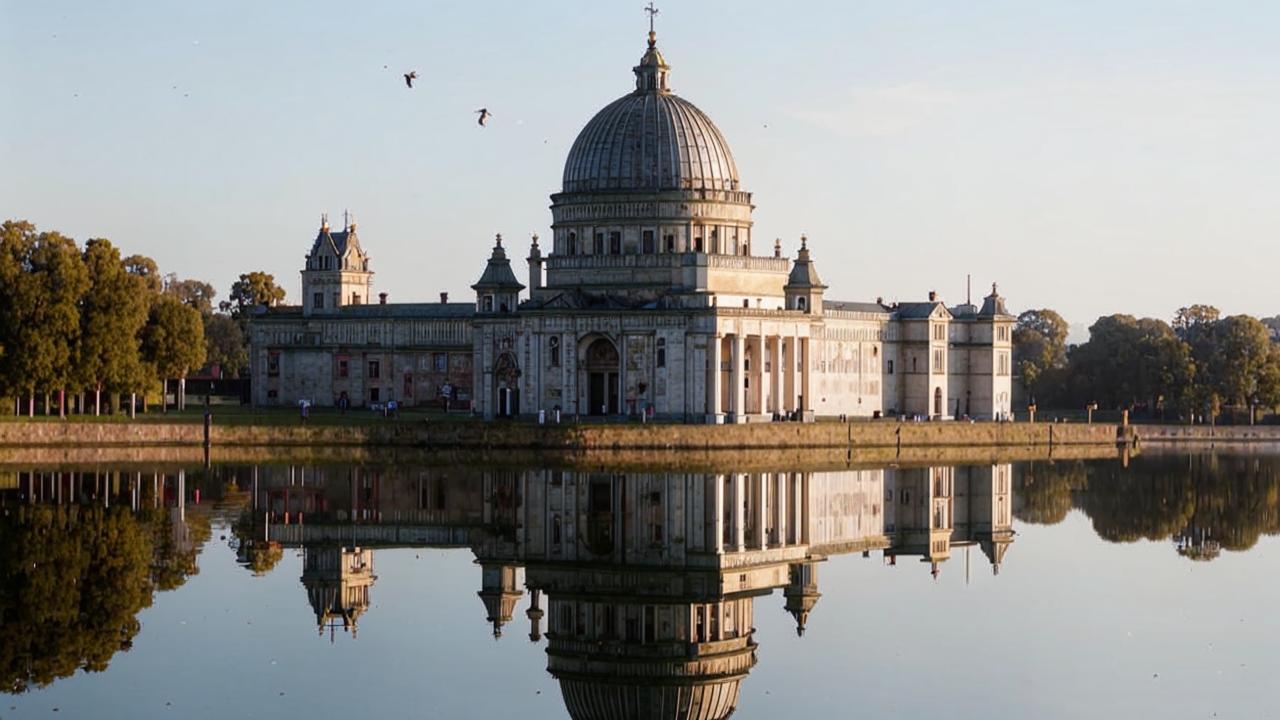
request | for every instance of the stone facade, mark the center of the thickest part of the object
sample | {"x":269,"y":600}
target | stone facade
{"x":649,"y":301}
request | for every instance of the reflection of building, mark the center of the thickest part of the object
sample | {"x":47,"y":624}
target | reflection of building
{"x":646,"y":582}
{"x":653,"y":295}
{"x":337,"y":580}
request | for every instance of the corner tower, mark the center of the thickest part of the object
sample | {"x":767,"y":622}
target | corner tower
{"x":337,"y":270}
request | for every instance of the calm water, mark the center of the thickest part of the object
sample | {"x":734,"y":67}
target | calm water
{"x":1063,"y":590}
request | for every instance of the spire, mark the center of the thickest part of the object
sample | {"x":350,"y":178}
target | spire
{"x":653,"y":36}
{"x":324,"y":222}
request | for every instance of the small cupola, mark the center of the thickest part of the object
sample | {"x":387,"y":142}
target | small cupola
{"x":498,"y":290}
{"x":652,"y":72}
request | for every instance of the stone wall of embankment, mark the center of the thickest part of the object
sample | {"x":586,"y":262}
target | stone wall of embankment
{"x":564,"y":437}
{"x":1208,"y":433}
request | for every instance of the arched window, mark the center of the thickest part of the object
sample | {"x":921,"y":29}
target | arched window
{"x":799,"y":303}
{"x":554,"y":345}
{"x":662,"y":353}
{"x":573,"y":243}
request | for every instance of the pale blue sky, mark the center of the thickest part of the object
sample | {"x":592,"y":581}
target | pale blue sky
{"x":1092,"y":157}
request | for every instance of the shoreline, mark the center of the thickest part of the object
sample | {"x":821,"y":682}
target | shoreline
{"x":444,"y":434}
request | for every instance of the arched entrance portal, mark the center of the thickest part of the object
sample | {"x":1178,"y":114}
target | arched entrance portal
{"x":602,"y":367}
{"x":937,"y":402}
{"x":506,"y":386}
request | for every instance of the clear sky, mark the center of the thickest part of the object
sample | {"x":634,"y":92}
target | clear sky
{"x":1093,"y":157}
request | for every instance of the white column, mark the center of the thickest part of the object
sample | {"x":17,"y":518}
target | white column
{"x":713,"y":408}
{"x":757,"y":374}
{"x":806,"y":401}
{"x":775,"y":376}
{"x":789,"y":375}
{"x":737,"y":392}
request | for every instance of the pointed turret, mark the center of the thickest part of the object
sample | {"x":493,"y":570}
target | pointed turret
{"x":802,"y":594}
{"x":499,"y":591}
{"x":804,"y":288}
{"x":993,"y":305}
{"x":497,"y":291}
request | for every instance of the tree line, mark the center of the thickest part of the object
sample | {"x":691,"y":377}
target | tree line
{"x":1199,"y":366}
{"x":83,"y":327}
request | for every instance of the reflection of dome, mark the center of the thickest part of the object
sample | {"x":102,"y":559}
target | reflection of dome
{"x":622,"y":659}
{"x":650,"y":140}
{"x":589,"y":700}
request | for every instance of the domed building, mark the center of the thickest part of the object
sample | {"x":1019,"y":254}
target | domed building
{"x":647,"y":298}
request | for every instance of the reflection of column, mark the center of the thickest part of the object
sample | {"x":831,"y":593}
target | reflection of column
{"x":739,"y":513}
{"x":534,"y":613}
{"x":762,"y":510}
{"x":713,"y":379}
{"x":802,"y":509}
{"x":775,"y":375}
{"x":738,"y":388}
{"x":717,"y":525}
{"x":780,"y":508}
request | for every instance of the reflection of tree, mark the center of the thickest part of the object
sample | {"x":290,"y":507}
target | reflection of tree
{"x":1204,"y":503}
{"x":74,"y":580}
{"x":1148,"y":501}
{"x":260,"y":556}
{"x":176,"y":543}
{"x":1043,"y":492}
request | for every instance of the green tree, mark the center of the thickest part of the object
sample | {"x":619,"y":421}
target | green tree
{"x":1241,"y":350}
{"x":41,"y":281}
{"x":1193,"y":320}
{"x":196,"y":293}
{"x":144,"y":267}
{"x":251,"y":290}
{"x":173,"y":342}
{"x":1130,"y":362}
{"x":113,"y":313}
{"x":226,"y":344}
{"x":1039,"y":347}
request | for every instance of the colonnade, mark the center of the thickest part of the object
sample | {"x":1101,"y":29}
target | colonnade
{"x":760,"y":375}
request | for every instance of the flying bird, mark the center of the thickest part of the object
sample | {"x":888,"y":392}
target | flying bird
{"x":484,"y":115}
{"x":409,"y":77}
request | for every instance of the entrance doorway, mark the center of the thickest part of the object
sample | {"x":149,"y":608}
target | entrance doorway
{"x":937,"y":402}
{"x":602,"y":366}
{"x":506,"y":386}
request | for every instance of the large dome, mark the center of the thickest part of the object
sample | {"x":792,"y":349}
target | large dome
{"x":650,"y":140}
